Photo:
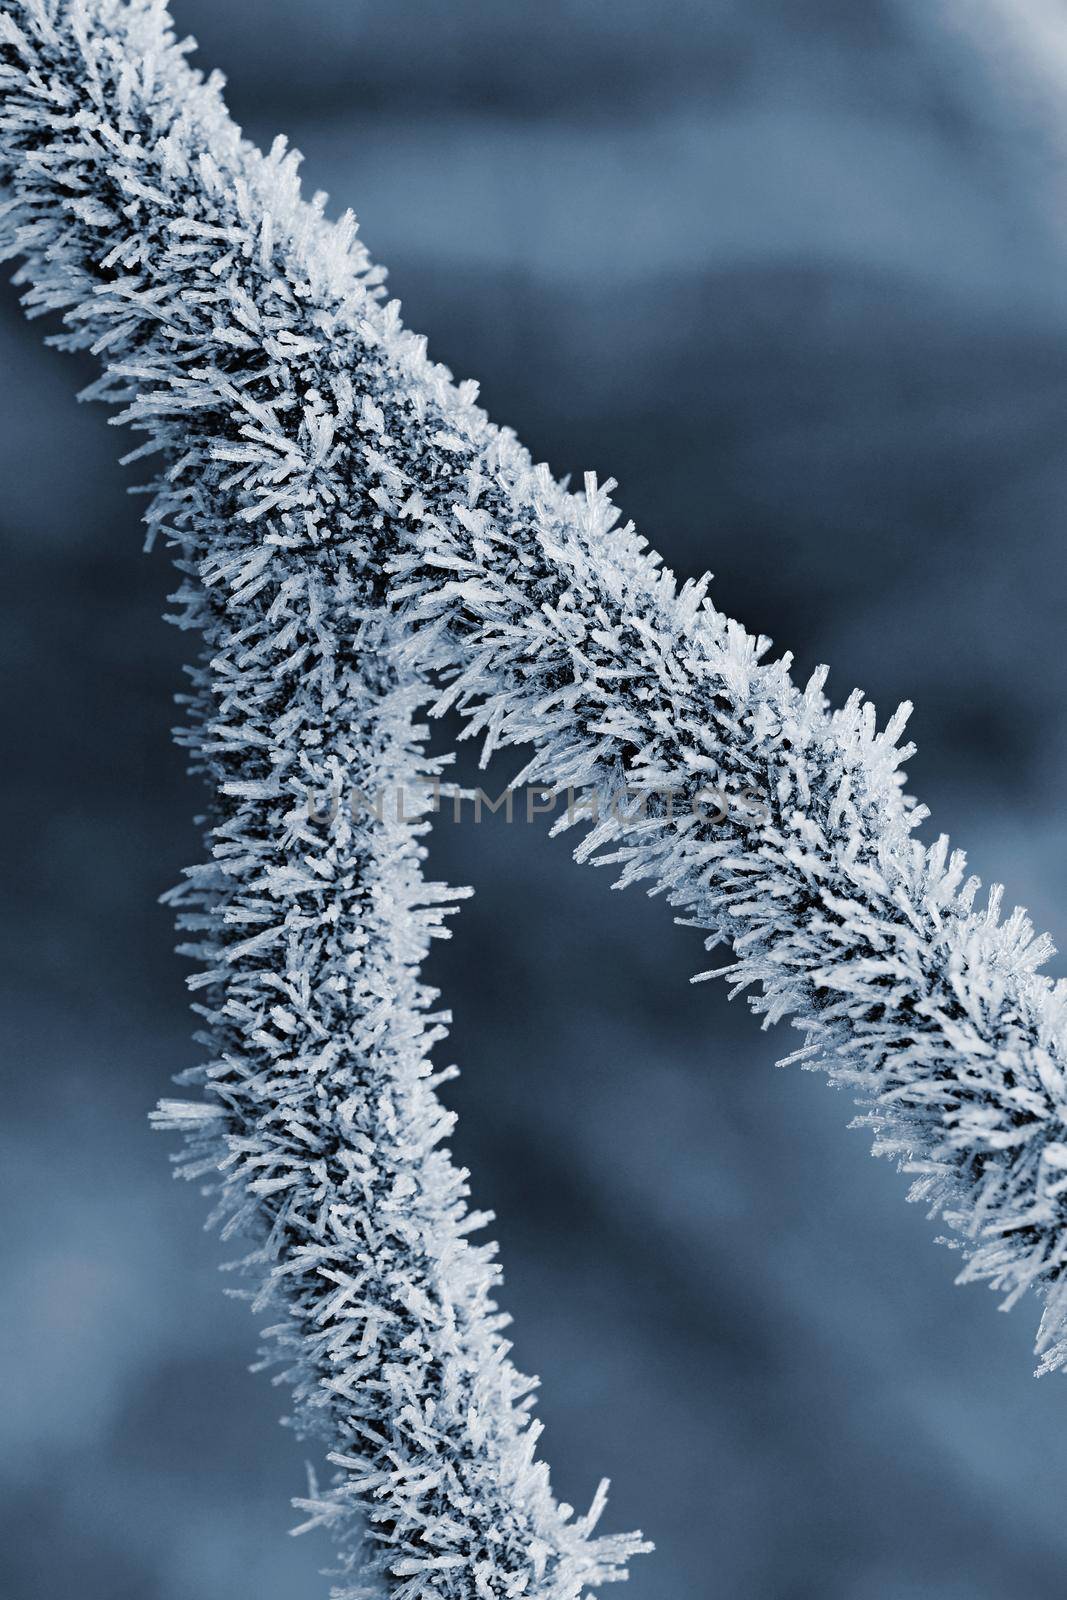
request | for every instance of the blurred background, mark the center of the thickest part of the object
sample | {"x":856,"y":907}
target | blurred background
{"x":795,"y":275}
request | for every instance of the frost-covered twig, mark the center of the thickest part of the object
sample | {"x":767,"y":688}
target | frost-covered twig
{"x":322,"y":468}
{"x":231,"y":319}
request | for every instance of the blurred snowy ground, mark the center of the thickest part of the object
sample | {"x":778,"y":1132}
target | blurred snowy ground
{"x":794,"y":275}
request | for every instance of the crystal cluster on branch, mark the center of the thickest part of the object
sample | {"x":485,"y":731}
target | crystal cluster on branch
{"x":358,"y":547}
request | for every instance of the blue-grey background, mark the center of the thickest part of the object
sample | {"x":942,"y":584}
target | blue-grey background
{"x":795,"y":275}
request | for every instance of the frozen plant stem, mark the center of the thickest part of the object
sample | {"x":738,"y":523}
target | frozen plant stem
{"x":358,"y":541}
{"x":321,"y":1130}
